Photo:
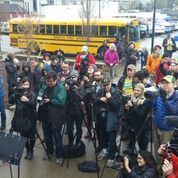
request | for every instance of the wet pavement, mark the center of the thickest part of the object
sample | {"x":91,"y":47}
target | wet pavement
{"x":38,"y":168}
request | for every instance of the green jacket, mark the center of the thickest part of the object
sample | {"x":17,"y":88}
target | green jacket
{"x":59,"y":96}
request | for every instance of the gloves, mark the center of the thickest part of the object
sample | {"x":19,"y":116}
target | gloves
{"x":163,"y":94}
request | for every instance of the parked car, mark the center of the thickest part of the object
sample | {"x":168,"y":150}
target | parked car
{"x":143,"y":30}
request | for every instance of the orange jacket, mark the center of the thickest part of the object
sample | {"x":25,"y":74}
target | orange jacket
{"x":153,"y":63}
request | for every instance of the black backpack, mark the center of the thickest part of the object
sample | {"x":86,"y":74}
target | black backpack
{"x":88,"y":166}
{"x":74,"y":151}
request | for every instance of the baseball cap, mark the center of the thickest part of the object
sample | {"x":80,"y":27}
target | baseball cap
{"x":168,"y":78}
{"x":84,"y":48}
{"x":131,"y":66}
{"x":105,"y":81}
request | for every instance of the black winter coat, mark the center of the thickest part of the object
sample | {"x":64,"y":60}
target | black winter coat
{"x":112,"y":108}
{"x":143,"y":172}
{"x":11,"y":70}
{"x":25,"y":110}
{"x":136,"y":117}
{"x":36,"y":78}
{"x":132,"y":56}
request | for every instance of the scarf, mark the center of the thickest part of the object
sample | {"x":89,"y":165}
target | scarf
{"x":137,"y":101}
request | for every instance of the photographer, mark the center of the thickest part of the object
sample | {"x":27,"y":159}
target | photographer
{"x":146,"y":166}
{"x":73,"y":105}
{"x":83,"y":60}
{"x":137,"y":112}
{"x":166,"y":104}
{"x":170,"y":164}
{"x":53,"y":110}
{"x":86,"y":83}
{"x":108,"y":103}
{"x":24,"y":119}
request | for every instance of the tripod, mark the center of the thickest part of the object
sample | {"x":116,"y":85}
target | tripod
{"x":151,"y":127}
{"x":93,"y":139}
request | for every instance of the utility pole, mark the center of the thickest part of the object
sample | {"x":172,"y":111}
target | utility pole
{"x":99,"y":8}
{"x":153,"y":26}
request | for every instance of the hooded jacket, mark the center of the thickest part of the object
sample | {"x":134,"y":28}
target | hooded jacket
{"x":11,"y":70}
{"x":27,"y":73}
{"x":153,"y":63}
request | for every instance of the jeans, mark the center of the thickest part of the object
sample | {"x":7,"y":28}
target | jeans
{"x":101,"y":133}
{"x":50,"y":134}
{"x":112,"y":144}
{"x":70,"y":128}
{"x":2,"y":110}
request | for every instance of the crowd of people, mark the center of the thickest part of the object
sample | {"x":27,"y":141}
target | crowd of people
{"x":55,"y":93}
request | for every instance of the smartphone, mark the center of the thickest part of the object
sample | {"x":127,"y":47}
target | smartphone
{"x":113,"y":87}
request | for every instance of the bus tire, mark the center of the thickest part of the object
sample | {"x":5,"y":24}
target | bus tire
{"x":34,"y":47}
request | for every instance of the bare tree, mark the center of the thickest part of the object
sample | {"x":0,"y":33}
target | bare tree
{"x":88,"y":19}
{"x":28,"y":27}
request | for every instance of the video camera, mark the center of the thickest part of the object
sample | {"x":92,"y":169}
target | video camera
{"x":72,"y":85}
{"x":125,"y":99}
{"x":19,"y":92}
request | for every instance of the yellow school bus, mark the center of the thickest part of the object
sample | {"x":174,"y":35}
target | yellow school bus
{"x":69,"y":36}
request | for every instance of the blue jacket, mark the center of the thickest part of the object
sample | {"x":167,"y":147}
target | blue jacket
{"x":162,"y":109}
{"x":1,"y":85}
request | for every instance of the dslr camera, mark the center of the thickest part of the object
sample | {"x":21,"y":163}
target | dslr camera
{"x":41,"y":98}
{"x":19,"y":92}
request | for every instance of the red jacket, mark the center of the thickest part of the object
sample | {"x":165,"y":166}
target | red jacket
{"x":174,"y":160}
{"x":163,"y":70}
{"x":78,"y":61}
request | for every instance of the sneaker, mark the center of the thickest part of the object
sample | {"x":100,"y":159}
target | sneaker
{"x":59,"y":161}
{"x":48,"y":157}
{"x":102,"y":154}
{"x":110,"y":163}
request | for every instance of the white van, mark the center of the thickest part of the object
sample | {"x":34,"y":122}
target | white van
{"x":4,"y":27}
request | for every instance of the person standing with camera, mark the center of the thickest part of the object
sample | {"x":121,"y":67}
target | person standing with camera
{"x":73,"y":105}
{"x":24,"y":119}
{"x":137,"y":111}
{"x":166,"y":104}
{"x":108,"y":103}
{"x":53,"y":115}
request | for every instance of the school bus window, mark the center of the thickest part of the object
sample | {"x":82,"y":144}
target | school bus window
{"x":56,"y":29}
{"x":14,"y":28}
{"x":42,"y":29}
{"x":70,"y":29}
{"x":112,"y":31}
{"x":78,"y":30}
{"x":35,"y":29}
{"x":121,"y":32}
{"x":48,"y":29}
{"x":63,"y":29}
{"x":21,"y":29}
{"x":103,"y":30}
{"x":94,"y":30}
